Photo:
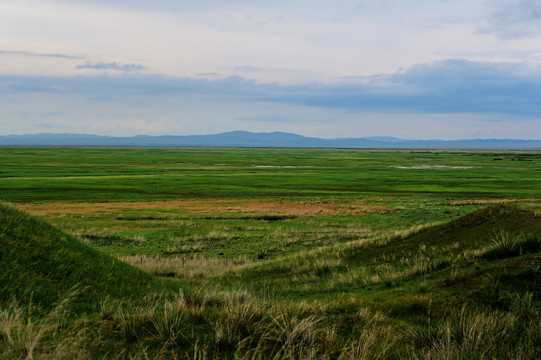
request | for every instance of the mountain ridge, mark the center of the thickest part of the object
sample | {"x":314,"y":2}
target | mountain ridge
{"x":270,"y":139}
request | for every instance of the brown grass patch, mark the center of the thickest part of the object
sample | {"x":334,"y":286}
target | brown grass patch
{"x":56,"y":210}
{"x":490,"y":201}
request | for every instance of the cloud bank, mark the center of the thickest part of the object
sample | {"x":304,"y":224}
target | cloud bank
{"x":445,"y":87}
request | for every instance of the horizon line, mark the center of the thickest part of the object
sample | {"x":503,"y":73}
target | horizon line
{"x":371,"y":137}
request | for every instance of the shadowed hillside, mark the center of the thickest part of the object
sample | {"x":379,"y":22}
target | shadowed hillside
{"x":41,"y":264}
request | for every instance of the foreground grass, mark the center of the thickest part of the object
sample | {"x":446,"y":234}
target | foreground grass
{"x":478,"y":300}
{"x":213,"y":324}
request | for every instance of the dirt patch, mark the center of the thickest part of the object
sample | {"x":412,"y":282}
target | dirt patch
{"x":57,"y":210}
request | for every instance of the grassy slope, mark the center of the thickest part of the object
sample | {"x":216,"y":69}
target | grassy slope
{"x":433,"y":257}
{"x":40,"y":263}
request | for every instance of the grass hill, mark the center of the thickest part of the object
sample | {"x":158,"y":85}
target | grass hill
{"x":41,"y":264}
{"x":485,"y":258}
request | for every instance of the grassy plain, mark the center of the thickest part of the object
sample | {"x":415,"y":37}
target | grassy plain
{"x":245,"y":202}
{"x":297,"y":253}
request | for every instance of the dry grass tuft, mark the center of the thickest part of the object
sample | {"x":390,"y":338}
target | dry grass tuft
{"x":23,"y":336}
{"x":183,"y":267}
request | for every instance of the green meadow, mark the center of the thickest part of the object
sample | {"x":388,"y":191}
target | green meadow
{"x":211,"y":253}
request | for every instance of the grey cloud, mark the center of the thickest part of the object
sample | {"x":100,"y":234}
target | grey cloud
{"x":509,"y":54}
{"x":124,"y":86}
{"x":29,"y":53}
{"x":446,"y":87}
{"x":354,"y":77}
{"x":514,"y":19}
{"x":111,"y":66}
{"x":250,"y":68}
{"x":206,"y":74}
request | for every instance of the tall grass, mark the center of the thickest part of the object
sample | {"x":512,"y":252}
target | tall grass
{"x":505,"y":245}
{"x":471,"y":334}
{"x":186,"y":267}
{"x":209,"y":323}
{"x":25,"y":335}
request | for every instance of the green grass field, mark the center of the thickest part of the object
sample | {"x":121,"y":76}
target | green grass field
{"x":270,"y":253}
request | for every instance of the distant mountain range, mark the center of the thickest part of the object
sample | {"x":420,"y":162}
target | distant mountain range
{"x":274,"y":139}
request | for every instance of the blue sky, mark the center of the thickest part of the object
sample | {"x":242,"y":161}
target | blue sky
{"x":420,"y":69}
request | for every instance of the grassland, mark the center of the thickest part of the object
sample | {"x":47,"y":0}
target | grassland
{"x":261,"y":253}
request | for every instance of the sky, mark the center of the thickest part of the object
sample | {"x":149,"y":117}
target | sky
{"x":416,"y":69}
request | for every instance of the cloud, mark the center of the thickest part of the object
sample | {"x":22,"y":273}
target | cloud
{"x":444,"y":99}
{"x":452,"y":86}
{"x":29,"y":53}
{"x":207,"y":74}
{"x":514,"y":19}
{"x":111,"y":66}
{"x":247,"y":68}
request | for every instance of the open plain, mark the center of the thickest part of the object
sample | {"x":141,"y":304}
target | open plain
{"x":270,"y":253}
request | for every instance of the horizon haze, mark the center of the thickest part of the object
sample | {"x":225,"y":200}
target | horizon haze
{"x":269,"y":140}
